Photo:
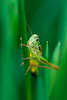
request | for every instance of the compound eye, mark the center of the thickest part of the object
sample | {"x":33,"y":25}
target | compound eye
{"x":37,"y":39}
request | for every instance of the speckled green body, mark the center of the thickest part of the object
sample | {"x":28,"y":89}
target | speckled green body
{"x":35,"y":53}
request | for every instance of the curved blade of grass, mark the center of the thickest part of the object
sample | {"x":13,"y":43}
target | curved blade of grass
{"x":8,"y":79}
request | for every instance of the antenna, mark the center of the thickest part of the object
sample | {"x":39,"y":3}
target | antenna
{"x":29,"y":28}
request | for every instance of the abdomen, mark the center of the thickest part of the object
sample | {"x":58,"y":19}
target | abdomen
{"x":34,"y":65}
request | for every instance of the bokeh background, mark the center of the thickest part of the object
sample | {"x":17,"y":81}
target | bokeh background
{"x":48,"y":18}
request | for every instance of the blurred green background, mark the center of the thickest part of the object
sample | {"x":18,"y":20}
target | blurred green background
{"x":49,"y":19}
